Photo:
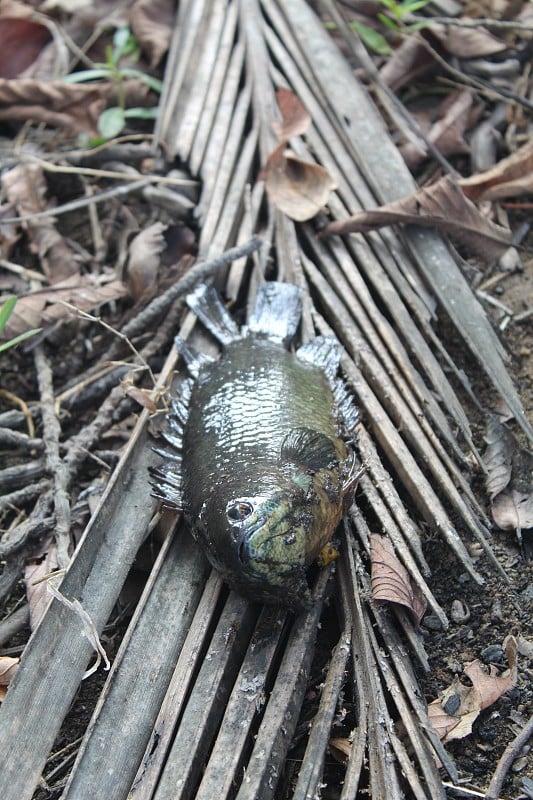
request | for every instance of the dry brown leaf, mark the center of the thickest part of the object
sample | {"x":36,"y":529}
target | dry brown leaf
{"x":152,"y":22}
{"x":442,"y":206}
{"x":410,"y":60}
{"x":46,"y":306}
{"x":38,"y":567}
{"x":298,"y":188}
{"x":25,"y":187}
{"x":391,"y":583}
{"x":453,"y":714}
{"x":21,"y":41}
{"x":142,"y":396}
{"x":144,"y":259}
{"x":447,"y":133}
{"x":74,"y":108}
{"x":511,"y":177}
{"x":8,"y":667}
{"x":340,"y":749}
{"x":509,"y":478}
{"x":466,"y":42}
{"x":295,"y":119}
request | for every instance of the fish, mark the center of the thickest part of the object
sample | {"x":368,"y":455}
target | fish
{"x":258,"y":452}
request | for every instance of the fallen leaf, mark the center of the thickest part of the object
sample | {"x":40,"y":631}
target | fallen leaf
{"x":8,"y":667}
{"x":341,"y":749}
{"x":152,"y":22}
{"x":21,"y":41}
{"x":511,"y":177}
{"x":298,"y":188}
{"x":295,"y":119}
{"x":454,"y":712}
{"x":26,"y":189}
{"x":509,"y":478}
{"x":410,"y":60}
{"x":38,"y":567}
{"x":142,"y":396}
{"x":391,"y":583}
{"x":442,"y":206}
{"x":448,"y":132}
{"x":73,"y":108}
{"x":466,"y":42}
{"x":144,"y":259}
{"x":46,"y":306}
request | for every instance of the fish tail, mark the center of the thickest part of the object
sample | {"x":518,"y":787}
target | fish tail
{"x":207,"y":306}
{"x":277,"y":311}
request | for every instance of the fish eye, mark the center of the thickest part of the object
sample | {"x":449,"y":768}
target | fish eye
{"x":238,"y":510}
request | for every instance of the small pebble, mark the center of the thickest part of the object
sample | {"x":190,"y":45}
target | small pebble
{"x":496,"y":610}
{"x":460,"y":611}
{"x":520,"y":764}
{"x":432,"y":622}
{"x":493,"y":654}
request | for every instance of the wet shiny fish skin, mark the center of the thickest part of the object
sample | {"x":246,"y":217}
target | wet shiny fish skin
{"x":265,"y":466}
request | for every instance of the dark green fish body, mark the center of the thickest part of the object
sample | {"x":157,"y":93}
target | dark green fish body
{"x":264,"y":464}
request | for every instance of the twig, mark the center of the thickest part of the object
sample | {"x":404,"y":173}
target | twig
{"x":504,"y":764}
{"x":24,"y":272}
{"x":18,"y":620}
{"x":18,"y":401}
{"x":165,"y":180}
{"x":122,"y":336}
{"x":83,"y":202}
{"x":483,"y":87}
{"x":51,"y":436}
{"x":21,"y":496}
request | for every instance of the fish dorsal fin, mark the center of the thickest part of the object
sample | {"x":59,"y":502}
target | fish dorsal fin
{"x":324,"y":352}
{"x":309,"y":449}
{"x":277,"y":311}
{"x":193,"y":358}
{"x":207,"y":306}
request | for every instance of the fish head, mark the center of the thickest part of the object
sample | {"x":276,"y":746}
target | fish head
{"x":258,"y":539}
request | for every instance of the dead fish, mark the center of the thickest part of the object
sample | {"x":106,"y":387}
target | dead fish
{"x":257,"y":454}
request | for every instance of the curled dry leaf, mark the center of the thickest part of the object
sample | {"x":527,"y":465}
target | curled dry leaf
{"x":511,"y":177}
{"x":295,"y":119}
{"x":73,"y":108}
{"x":26,"y":189}
{"x":509,"y":478}
{"x":466,"y":42}
{"x":8,"y":667}
{"x":447,"y":133}
{"x":142,"y":396}
{"x":42,"y":564}
{"x":46,"y":306}
{"x":391,"y":583}
{"x":442,"y":206}
{"x":298,"y":188}
{"x":453,"y":714}
{"x":152,"y":23}
{"x":412,"y":59}
{"x":21,"y":41}
{"x":341,"y":749}
{"x":144,"y":259}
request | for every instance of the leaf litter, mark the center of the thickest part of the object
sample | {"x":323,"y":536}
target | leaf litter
{"x":301,"y":188}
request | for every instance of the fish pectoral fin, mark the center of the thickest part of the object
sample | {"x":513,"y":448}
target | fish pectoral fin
{"x":310,"y":449}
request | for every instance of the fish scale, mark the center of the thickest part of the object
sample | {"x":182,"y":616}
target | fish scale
{"x":262,"y":467}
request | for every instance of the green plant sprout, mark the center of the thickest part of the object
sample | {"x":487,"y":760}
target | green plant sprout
{"x":113,"y":120}
{"x":399,"y":10}
{"x":5,"y":312}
